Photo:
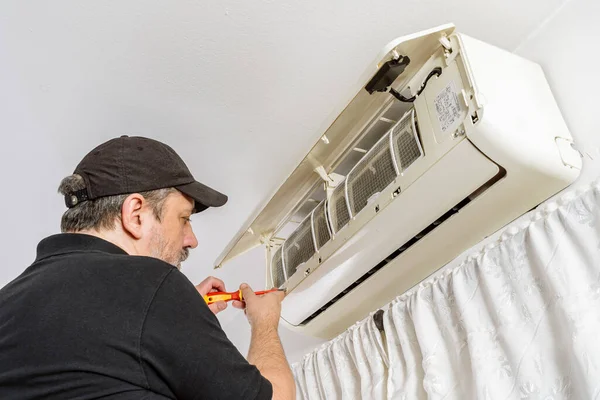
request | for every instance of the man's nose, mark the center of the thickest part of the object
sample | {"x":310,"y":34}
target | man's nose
{"x":190,"y":240}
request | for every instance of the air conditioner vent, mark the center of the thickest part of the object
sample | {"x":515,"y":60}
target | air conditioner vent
{"x":320,"y":226}
{"x":277,"y":274}
{"x":299,"y":247}
{"x":338,"y":209}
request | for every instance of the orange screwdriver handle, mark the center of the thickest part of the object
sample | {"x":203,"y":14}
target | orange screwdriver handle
{"x":213,"y":297}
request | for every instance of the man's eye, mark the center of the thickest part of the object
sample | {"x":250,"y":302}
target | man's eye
{"x":187,"y":220}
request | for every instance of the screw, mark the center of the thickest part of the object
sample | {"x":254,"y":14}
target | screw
{"x":460,"y":132}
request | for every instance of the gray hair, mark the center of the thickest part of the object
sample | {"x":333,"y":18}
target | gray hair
{"x":102,"y":213}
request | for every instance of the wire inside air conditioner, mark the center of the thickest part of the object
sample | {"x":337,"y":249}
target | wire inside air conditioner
{"x":435,"y":72}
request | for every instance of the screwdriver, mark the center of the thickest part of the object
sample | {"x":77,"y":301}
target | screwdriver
{"x":213,"y":297}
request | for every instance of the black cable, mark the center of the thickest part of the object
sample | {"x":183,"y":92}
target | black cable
{"x":437,"y":71}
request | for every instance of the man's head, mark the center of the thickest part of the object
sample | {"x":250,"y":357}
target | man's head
{"x":138,"y":194}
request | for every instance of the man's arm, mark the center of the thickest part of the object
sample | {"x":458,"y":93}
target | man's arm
{"x":266,"y":352}
{"x":185,"y":354}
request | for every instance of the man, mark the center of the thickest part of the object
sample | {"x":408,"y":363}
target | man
{"x":104,"y":311}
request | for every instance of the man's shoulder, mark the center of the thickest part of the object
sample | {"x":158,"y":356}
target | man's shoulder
{"x":147,"y":268}
{"x":140,"y":261}
{"x":96,"y":268}
{"x":118,"y":260}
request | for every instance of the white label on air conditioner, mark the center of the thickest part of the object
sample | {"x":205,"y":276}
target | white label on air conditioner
{"x":447,"y":106}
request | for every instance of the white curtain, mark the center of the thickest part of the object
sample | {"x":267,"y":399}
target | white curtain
{"x":519,"y":320}
{"x":352,"y":366}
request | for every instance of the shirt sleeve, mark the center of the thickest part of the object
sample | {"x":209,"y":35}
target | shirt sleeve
{"x":184,"y":353}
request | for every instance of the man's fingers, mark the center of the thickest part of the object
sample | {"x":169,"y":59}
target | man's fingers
{"x":217,"y":307}
{"x":280,"y":294}
{"x":210,"y":284}
{"x":238,"y":304}
{"x":216,"y":283}
{"x":247,"y":292}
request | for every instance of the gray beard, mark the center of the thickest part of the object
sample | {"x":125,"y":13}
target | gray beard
{"x":161,"y":250}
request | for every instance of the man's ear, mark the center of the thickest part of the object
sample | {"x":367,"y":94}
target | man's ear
{"x":131,"y":215}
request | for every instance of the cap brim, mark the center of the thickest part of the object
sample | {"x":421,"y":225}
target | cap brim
{"x":203,"y":195}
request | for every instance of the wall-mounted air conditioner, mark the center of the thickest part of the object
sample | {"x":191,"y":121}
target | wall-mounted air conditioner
{"x":447,"y":140}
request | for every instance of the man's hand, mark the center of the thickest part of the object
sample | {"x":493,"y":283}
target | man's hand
{"x":212,"y":284}
{"x":266,"y":353}
{"x":262,"y":311}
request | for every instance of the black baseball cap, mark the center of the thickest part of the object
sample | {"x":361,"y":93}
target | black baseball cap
{"x":137,"y":164}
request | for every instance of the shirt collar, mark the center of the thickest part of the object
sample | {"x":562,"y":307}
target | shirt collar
{"x":74,"y":242}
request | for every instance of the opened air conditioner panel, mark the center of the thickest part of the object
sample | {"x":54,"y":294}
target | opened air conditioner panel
{"x":341,"y":131}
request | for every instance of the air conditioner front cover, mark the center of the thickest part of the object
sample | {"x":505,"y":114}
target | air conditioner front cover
{"x":341,"y":130}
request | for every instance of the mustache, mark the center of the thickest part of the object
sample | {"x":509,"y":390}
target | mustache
{"x":184,"y":254}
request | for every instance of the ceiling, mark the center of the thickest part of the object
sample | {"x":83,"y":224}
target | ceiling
{"x":241,"y":89}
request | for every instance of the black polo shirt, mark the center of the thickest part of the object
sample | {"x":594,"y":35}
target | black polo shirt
{"x":88,"y":321}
